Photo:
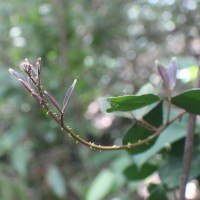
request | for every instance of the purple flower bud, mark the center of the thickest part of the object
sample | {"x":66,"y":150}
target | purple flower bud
{"x":168,"y":75}
{"x":55,"y":103}
{"x":21,"y":79}
{"x":164,"y":75}
{"x":26,"y":85}
{"x":26,"y":66}
{"x":30,"y":82}
{"x":36,"y":96}
{"x":16,"y":74}
{"x":38,"y":67}
{"x":68,"y":95}
{"x":172,"y":72}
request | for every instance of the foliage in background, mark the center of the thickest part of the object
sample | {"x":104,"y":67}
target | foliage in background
{"x":110,"y":47}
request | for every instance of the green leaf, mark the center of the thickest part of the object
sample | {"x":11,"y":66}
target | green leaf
{"x":134,"y":135}
{"x":188,"y":100}
{"x":138,"y":132}
{"x":101,"y":185}
{"x":155,"y":116}
{"x":104,"y":105}
{"x":173,"y":164}
{"x":133,"y":172}
{"x":146,"y":89}
{"x":56,"y":181}
{"x":166,"y":137}
{"x":131,"y":102}
{"x":157,"y":192}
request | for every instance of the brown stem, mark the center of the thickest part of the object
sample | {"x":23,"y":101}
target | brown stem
{"x":128,"y":146}
{"x":147,"y":125}
{"x":169,"y":107}
{"x":92,"y":145}
{"x":99,"y":147}
{"x":187,"y":158}
{"x":62,"y":119}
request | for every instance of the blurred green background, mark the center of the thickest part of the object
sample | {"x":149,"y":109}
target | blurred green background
{"x":110,"y":47}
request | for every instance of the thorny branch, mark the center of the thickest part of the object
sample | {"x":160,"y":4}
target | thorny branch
{"x":33,"y":85}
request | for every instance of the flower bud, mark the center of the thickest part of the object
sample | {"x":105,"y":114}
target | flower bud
{"x":168,"y":75}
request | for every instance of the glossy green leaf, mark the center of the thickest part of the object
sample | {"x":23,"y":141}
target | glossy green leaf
{"x":146,"y":89}
{"x":166,"y":137}
{"x":131,"y":102}
{"x":138,"y":132}
{"x":157,"y":192}
{"x":188,"y":100}
{"x":135,"y":134}
{"x":173,"y":164}
{"x":133,"y":172}
{"x":104,"y":105}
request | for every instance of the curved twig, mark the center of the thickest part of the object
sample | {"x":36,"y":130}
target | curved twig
{"x":100,"y":147}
